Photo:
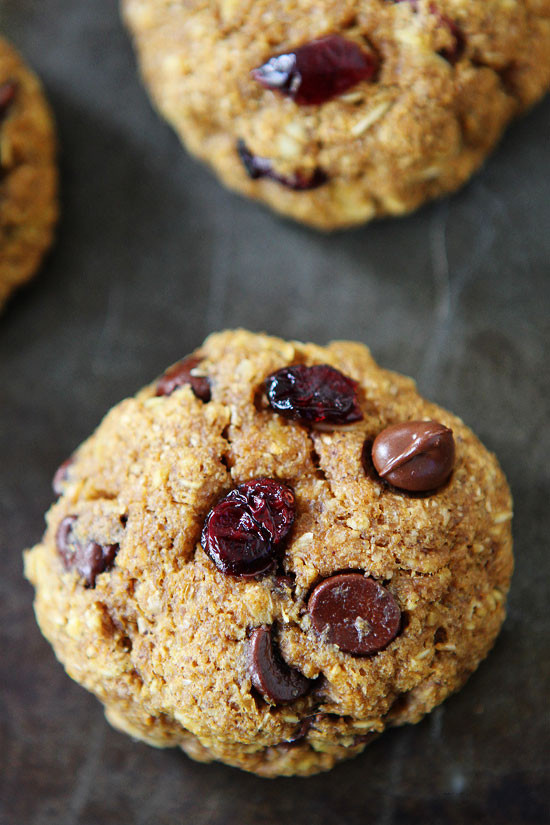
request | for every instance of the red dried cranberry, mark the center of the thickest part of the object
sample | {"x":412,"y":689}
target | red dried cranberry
{"x":182,"y":373}
{"x":8,"y":91}
{"x":313,"y":394}
{"x":450,"y":53}
{"x":257,"y":167}
{"x":271,"y":504}
{"x":317,"y":71}
{"x":242,"y":534}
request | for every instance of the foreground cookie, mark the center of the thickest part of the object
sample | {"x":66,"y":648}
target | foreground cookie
{"x":273,"y":553}
{"x":338,"y":111}
{"x":28,"y":174}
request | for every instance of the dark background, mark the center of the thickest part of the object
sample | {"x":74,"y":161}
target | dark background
{"x":151,"y":256}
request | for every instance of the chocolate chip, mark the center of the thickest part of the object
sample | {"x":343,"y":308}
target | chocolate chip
{"x":180,"y":374}
{"x":8,"y":90}
{"x":355,"y":612}
{"x":270,"y":675}
{"x":301,"y":731}
{"x":416,"y":455}
{"x":317,"y":394}
{"x":243,"y":533}
{"x":61,"y":475}
{"x":258,"y":167}
{"x":90,"y":559}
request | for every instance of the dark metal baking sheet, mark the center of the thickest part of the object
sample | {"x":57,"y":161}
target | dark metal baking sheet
{"x":153,"y":254}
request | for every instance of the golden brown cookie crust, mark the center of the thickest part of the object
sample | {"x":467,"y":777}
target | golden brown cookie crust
{"x":162,"y":638}
{"x":418,"y":131}
{"x":28,"y":175}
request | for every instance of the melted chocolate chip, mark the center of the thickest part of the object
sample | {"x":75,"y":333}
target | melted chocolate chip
{"x":270,"y":675}
{"x":355,"y":612}
{"x":182,"y":373}
{"x":318,"y":394}
{"x":416,"y":455}
{"x":257,"y":167}
{"x":317,"y":71}
{"x":90,"y":559}
{"x":243,"y":533}
{"x":8,"y":91}
{"x":61,"y":475}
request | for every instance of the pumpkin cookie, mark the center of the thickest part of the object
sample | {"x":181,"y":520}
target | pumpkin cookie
{"x":28,"y":173}
{"x":338,"y":111}
{"x":273,"y":553}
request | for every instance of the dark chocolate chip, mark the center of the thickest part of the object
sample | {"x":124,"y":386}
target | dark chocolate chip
{"x":180,"y":374}
{"x":270,"y":675}
{"x":317,"y":394}
{"x":258,"y":167}
{"x":355,"y":612}
{"x":61,"y":475}
{"x":301,"y":731}
{"x":90,"y":559}
{"x":8,"y":91}
{"x":243,"y":533}
{"x":319,"y":70}
{"x":415,"y":455}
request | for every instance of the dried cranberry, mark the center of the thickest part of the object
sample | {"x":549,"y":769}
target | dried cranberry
{"x":242,"y":534}
{"x":313,"y":394}
{"x":182,"y":373}
{"x":317,"y":71}
{"x":271,"y":503}
{"x":257,"y":167}
{"x":89,"y":559}
{"x":450,"y":53}
{"x":8,"y":91}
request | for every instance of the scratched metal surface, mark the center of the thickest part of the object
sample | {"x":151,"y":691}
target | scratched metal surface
{"x":151,"y":256}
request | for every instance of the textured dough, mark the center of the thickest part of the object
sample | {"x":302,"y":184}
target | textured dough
{"x":162,"y":638}
{"x":28,"y":175}
{"x":419,"y":131}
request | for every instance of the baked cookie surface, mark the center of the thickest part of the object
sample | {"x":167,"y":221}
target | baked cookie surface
{"x":246,"y":580}
{"x":28,"y":173}
{"x":419,"y":91}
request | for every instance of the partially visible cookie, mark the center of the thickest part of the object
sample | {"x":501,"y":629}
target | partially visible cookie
{"x":28,"y":172}
{"x":338,"y":111}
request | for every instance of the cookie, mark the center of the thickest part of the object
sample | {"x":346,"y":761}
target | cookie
{"x":273,"y":553}
{"x":28,"y":173}
{"x":338,"y":111}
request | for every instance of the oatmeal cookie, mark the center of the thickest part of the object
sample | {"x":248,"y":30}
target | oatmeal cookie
{"x":273,"y":553}
{"x":338,"y":111}
{"x":28,"y":173}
